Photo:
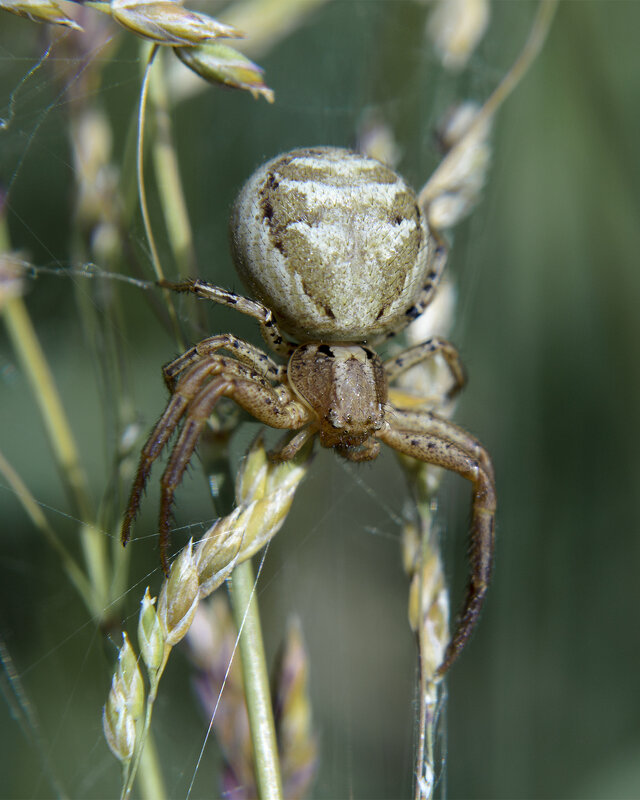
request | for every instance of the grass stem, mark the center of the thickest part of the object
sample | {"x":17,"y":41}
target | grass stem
{"x":256,"y":683}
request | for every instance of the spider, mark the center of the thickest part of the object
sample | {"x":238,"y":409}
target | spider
{"x":338,"y":252}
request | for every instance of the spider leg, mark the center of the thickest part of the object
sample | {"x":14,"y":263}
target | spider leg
{"x":394,"y":367}
{"x":435,"y":448}
{"x":187,"y":387}
{"x":291,"y":446}
{"x":199,"y":411}
{"x":262,"y":401}
{"x":159,"y":436}
{"x":246,"y":353}
{"x":428,"y":422}
{"x":244,"y":305}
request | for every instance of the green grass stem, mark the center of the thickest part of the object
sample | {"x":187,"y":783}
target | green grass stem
{"x":256,"y":683}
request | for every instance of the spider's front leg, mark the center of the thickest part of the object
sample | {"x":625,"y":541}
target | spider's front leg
{"x":196,"y":392}
{"x":177,"y":406}
{"x":246,"y":353}
{"x":275,"y":407}
{"x":443,"y":444}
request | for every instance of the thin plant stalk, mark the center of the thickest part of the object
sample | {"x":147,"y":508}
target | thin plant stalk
{"x":142,"y":194}
{"x":434,"y":618}
{"x":145,"y":765}
{"x":150,"y":780}
{"x":168,"y":179}
{"x":34,"y":363}
{"x":256,"y":683}
{"x":528,"y":54}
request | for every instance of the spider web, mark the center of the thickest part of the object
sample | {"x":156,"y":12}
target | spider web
{"x":337,"y":562}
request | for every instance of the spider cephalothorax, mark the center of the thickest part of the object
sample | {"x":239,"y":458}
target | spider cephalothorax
{"x":338,"y":252}
{"x":345,"y":387}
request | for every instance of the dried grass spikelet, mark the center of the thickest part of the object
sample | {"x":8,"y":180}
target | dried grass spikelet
{"x":428,"y":608}
{"x":266,"y":25}
{"x":97,"y":210}
{"x":428,"y":614}
{"x":455,"y":28}
{"x":454,"y":189}
{"x":150,"y":634}
{"x":119,"y":728}
{"x":220,"y":63}
{"x":264,"y":493}
{"x":179,"y":597}
{"x":125,"y":704}
{"x":40,"y":11}
{"x":376,"y":139}
{"x":168,"y":23}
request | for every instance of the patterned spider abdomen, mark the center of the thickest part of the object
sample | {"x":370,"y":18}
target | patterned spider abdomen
{"x":333,"y":242}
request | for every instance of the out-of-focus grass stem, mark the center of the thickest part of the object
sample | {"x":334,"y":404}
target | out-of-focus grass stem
{"x":30,"y":505}
{"x":34,"y":363}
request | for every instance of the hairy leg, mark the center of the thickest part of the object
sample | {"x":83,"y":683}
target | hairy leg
{"x":246,"y":353}
{"x":244,"y":305}
{"x":187,"y":387}
{"x":428,"y":422}
{"x":432,"y":448}
{"x":286,"y":450}
{"x":258,"y":398}
{"x":394,"y":367}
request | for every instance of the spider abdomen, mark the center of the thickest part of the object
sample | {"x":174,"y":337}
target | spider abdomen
{"x":333,"y":242}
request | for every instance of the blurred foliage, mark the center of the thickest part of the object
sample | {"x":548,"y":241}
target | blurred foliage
{"x":544,"y":702}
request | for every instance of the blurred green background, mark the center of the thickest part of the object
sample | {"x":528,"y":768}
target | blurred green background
{"x":545,"y":701}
